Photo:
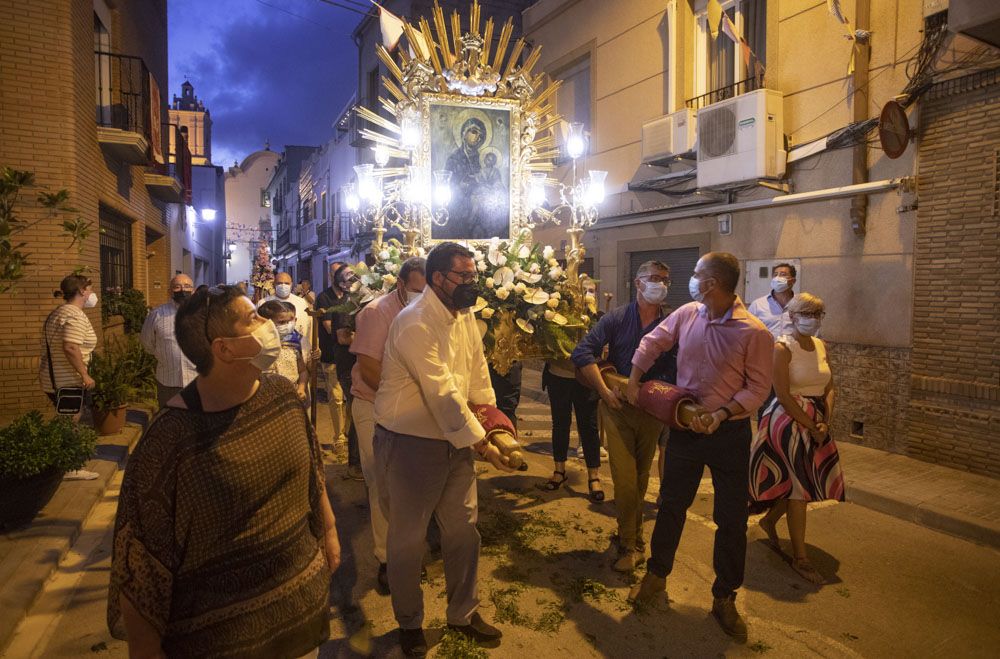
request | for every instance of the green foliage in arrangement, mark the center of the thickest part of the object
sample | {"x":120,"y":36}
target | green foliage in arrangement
{"x":130,"y":305}
{"x":13,"y":259}
{"x":31,"y":445}
{"x":123,"y":371}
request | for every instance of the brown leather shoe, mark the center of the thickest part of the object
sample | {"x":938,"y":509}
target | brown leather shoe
{"x":724,"y":610}
{"x":628,"y":561}
{"x":646,"y":591}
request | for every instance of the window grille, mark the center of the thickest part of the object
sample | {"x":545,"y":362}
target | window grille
{"x":116,"y":252}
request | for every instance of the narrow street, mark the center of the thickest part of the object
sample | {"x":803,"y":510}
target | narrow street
{"x":896,"y":589}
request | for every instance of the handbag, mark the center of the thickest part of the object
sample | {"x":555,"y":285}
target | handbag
{"x":69,"y":400}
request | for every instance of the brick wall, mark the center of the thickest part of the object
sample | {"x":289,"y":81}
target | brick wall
{"x":872,"y":385}
{"x":954,"y":409}
{"x":48,"y":126}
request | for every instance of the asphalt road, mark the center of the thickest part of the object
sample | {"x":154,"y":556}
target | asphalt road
{"x":896,"y":589}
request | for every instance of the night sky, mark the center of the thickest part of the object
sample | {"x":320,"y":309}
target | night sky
{"x":262,"y":72}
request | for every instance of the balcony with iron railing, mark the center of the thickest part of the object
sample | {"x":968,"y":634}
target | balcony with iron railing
{"x":314,"y":234}
{"x":123,"y":107}
{"x":747,"y":85}
{"x":171,"y":182}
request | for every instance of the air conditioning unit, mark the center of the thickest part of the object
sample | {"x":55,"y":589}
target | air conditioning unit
{"x":671,"y":135}
{"x":741,"y":139}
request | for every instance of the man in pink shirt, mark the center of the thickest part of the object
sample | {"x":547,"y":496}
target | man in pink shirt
{"x":371,"y":332}
{"x":724,"y":359}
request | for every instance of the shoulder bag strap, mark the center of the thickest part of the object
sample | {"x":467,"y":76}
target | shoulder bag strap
{"x":48,"y":351}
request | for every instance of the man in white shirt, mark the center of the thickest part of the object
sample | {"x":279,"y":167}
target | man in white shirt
{"x":303,"y":321}
{"x":425,"y":439}
{"x":770,"y":309}
{"x":173,"y":370}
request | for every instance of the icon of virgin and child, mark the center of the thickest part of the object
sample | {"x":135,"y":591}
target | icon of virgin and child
{"x":474,"y":145}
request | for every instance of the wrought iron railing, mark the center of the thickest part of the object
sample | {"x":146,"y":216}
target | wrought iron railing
{"x":123,"y":96}
{"x":729,"y":91}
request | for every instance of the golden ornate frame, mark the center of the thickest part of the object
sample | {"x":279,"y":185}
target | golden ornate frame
{"x":462,"y":68}
{"x":422,"y":157}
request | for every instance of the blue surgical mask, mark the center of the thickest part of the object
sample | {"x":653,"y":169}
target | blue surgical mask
{"x":807,"y":326}
{"x":694,"y":289}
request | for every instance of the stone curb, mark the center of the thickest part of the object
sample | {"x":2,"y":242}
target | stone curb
{"x":29,"y":556}
{"x":923,"y":511}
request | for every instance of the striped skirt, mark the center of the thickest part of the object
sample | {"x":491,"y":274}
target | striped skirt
{"x":785,"y":462}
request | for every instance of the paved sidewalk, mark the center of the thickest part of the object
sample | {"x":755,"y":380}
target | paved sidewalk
{"x":29,"y":556}
{"x":955,"y":502}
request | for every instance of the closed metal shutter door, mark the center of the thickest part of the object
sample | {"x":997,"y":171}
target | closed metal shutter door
{"x":681,"y":262}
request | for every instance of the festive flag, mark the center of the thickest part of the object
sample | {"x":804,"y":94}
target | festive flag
{"x":392,"y":28}
{"x":714,"y":11}
{"x":745,"y":49}
{"x":729,"y":29}
{"x":835,"y":10}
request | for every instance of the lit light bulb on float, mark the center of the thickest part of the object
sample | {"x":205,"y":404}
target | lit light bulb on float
{"x":409,"y":124}
{"x":593,"y":187}
{"x":351,"y":199}
{"x":536,"y":190}
{"x":381,"y":154}
{"x":442,"y":187}
{"x":368,"y":184}
{"x":576,"y":141}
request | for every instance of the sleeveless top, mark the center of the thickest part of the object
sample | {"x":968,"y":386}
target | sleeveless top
{"x":808,"y":372}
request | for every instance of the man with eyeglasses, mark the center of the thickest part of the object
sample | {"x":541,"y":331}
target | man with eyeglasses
{"x":632,"y":435}
{"x":174,"y":371}
{"x":426,"y":435}
{"x":771,"y":308}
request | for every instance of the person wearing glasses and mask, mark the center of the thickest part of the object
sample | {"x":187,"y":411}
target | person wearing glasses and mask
{"x":174,"y":371}
{"x":372,"y":330}
{"x":632,"y":434}
{"x":772,"y":309}
{"x":225,"y":540}
{"x":425,"y":438}
{"x":303,"y":321}
{"x":793,"y":459}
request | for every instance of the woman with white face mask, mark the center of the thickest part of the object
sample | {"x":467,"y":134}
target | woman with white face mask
{"x":68,"y":341}
{"x":793,"y":459}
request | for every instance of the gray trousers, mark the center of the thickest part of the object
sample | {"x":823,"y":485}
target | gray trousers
{"x":165,"y":393}
{"x":420,"y":478}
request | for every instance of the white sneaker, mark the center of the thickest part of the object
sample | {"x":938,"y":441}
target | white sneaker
{"x":80,"y":475}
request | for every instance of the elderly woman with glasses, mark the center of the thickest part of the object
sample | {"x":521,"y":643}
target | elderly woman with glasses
{"x":793,"y":459}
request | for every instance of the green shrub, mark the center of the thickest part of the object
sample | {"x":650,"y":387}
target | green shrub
{"x":123,"y":371}
{"x":31,"y":445}
{"x":130,"y":305}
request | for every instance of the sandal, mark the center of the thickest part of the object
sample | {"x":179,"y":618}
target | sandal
{"x":552,"y":484}
{"x":597,"y":496}
{"x":805,"y":569}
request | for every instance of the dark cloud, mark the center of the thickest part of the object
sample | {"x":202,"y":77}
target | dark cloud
{"x":264,"y":74}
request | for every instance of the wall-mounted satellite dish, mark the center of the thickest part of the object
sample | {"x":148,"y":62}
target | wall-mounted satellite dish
{"x":893,"y":129}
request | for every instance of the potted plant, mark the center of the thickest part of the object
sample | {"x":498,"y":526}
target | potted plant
{"x":34,"y":455}
{"x":123,"y":371}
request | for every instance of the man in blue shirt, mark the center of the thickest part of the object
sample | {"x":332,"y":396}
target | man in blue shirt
{"x":631,"y":434}
{"x":771,"y":307}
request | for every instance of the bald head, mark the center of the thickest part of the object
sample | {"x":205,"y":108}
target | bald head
{"x":181,"y":282}
{"x":283,"y":278}
{"x":723,"y":267}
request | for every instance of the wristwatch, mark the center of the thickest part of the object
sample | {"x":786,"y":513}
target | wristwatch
{"x":729,"y":413}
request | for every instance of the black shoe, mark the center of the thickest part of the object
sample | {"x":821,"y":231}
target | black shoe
{"x":479,"y":631}
{"x":412,"y":642}
{"x":724,"y":610}
{"x":383,"y":578}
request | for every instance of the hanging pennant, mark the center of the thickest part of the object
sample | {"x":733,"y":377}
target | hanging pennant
{"x":714,"y":11}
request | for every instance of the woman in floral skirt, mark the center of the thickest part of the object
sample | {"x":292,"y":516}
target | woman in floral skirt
{"x":794,"y":460}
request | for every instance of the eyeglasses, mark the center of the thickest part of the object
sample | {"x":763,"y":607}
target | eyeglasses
{"x":656,"y":279}
{"x":213,"y":293}
{"x":818,"y":315}
{"x":467,"y":277}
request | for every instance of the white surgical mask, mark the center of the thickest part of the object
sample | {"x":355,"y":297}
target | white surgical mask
{"x":269,"y":339}
{"x":807,"y":326}
{"x":779,"y":284}
{"x":694,"y":289}
{"x":91,"y":301}
{"x":655,"y":292}
{"x":283,"y":290}
{"x":411,"y":296}
{"x":284,"y":329}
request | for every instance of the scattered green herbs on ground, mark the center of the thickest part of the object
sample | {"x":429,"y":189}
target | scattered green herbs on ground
{"x":508,"y":610}
{"x":454,"y":645}
{"x":760,"y":647}
{"x":503,"y":531}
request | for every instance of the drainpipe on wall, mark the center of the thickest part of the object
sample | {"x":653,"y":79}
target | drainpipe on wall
{"x":859,"y":81}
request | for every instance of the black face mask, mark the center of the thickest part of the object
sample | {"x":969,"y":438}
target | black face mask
{"x":464,"y":296}
{"x":180,"y":296}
